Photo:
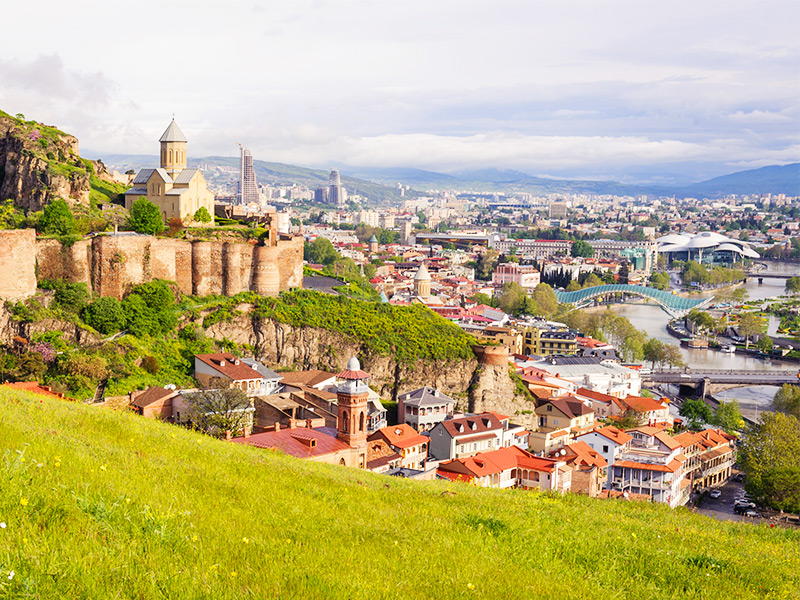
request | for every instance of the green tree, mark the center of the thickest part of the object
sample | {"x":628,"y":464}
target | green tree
{"x":57,"y":219}
{"x":320,"y":251}
{"x":728,"y":416}
{"x":655,"y":352}
{"x":673,"y":356}
{"x":764,"y":344}
{"x":201,"y":215}
{"x":105,"y":315}
{"x":145,"y":217}
{"x":511,"y":298}
{"x":749,"y":325}
{"x":770,"y":456}
{"x":481,"y":298}
{"x":582,"y":249}
{"x":545,"y":300}
{"x":150,"y":309}
{"x":787,"y":400}
{"x":700,"y":320}
{"x":630,"y":419}
{"x":793,"y":285}
{"x":592,"y":281}
{"x":697,"y":412}
{"x":487,"y":262}
{"x":216,"y":411}
{"x":573,"y":286}
{"x":660,"y":280}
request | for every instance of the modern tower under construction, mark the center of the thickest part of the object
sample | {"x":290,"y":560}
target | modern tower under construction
{"x":248,"y":190}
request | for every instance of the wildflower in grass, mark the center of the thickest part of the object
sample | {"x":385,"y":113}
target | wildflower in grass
{"x":11,"y":575}
{"x":2,"y":525}
{"x":102,"y":467}
{"x":23,"y":501}
{"x":194,"y":538}
{"x":233,"y":573}
{"x":127,"y":500}
{"x":470,"y":586}
{"x":245,"y":540}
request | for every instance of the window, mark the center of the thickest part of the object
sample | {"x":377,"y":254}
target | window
{"x":605,"y":448}
{"x":549,"y":408}
{"x":361,"y":422}
{"x":344,"y":421}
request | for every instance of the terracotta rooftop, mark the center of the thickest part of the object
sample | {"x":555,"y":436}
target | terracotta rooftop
{"x":400,"y":436}
{"x":151,"y":396}
{"x":310,"y":378}
{"x":615,"y":435}
{"x":300,"y":443}
{"x":229,"y":366}
{"x":34,"y":388}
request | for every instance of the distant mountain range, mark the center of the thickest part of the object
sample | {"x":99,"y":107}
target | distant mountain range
{"x":766,"y":180}
{"x":379,"y":184}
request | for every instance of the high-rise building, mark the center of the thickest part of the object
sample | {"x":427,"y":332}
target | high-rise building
{"x":248,"y":189}
{"x":336,"y":194}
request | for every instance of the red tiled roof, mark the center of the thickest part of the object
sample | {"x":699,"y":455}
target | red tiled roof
{"x":400,"y":436}
{"x":599,"y":396}
{"x":642,"y":404}
{"x":309,"y":378}
{"x":667,"y":440}
{"x":226,"y":364}
{"x":300,"y":443}
{"x":34,"y":388}
{"x":615,"y":435}
{"x":151,"y":396}
{"x":632,"y":464}
{"x":494,"y":462}
{"x":570,"y":406}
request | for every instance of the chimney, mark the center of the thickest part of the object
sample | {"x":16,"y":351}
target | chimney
{"x":292,"y":424}
{"x":308,"y":423}
{"x":277,"y":426}
{"x":246,"y":432}
{"x":227,"y":435}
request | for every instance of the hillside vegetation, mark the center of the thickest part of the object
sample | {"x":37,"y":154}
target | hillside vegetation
{"x":103,"y":504}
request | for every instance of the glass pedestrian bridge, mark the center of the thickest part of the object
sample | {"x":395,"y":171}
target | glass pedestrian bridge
{"x":675,"y":306}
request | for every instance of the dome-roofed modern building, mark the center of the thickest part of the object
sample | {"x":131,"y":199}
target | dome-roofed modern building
{"x":707,"y":247}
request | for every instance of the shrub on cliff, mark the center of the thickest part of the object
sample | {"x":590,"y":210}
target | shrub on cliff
{"x":105,"y":315}
{"x":149,"y":309}
{"x":202,"y":215}
{"x":57,"y":219}
{"x":145,"y":217}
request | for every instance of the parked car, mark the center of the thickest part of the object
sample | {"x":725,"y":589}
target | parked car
{"x":715,"y":494}
{"x":739,"y":477}
{"x":751,"y":513}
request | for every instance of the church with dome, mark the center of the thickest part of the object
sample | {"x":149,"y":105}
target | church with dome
{"x":178,"y":192}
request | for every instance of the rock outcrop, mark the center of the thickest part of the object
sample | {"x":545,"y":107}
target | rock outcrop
{"x":39,"y":164}
{"x":478,"y":384}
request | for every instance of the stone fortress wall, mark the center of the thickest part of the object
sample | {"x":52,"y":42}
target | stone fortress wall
{"x":112,"y":264}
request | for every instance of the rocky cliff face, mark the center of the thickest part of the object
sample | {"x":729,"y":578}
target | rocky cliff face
{"x":282,"y":345}
{"x":479,"y":384}
{"x":38,"y":164}
{"x":11,"y":328}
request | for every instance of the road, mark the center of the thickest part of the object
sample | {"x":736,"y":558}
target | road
{"x":722,"y":508}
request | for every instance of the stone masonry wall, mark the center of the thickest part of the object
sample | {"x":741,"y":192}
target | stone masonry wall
{"x":112,"y":264}
{"x":17,"y":264}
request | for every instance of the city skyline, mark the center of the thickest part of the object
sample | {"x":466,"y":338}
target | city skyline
{"x":698,"y":89}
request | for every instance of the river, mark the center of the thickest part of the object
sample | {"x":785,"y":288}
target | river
{"x":650,"y":318}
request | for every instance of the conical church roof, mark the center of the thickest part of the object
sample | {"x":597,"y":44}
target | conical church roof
{"x":173,"y":134}
{"x":422,"y":273}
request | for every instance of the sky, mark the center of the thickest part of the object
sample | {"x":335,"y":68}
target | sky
{"x":619,"y":89}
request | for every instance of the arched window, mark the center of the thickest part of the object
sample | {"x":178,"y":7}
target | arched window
{"x":341,"y":462}
{"x":170,"y":155}
{"x":344,"y":421}
{"x":164,"y":155}
{"x":361,"y":422}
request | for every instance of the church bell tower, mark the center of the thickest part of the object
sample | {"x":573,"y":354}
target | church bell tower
{"x":353,"y":397}
{"x":173,"y":150}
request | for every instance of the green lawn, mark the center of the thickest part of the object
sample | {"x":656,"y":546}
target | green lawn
{"x":103,"y":504}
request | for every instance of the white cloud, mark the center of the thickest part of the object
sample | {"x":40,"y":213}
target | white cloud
{"x":760,"y":116}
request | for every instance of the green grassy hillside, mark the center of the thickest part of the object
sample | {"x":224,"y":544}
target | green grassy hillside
{"x":102,"y":504}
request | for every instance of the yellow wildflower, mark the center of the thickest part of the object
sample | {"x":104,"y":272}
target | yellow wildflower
{"x":23,"y":501}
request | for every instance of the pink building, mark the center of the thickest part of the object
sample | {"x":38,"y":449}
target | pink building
{"x":526,"y":276}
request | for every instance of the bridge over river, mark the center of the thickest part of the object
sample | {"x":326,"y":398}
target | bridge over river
{"x":674,"y":305}
{"x":711,"y":381}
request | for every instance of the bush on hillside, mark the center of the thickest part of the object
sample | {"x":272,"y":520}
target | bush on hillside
{"x":105,"y":315}
{"x":202,"y":215}
{"x":145,"y":217}
{"x":57,"y":219}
